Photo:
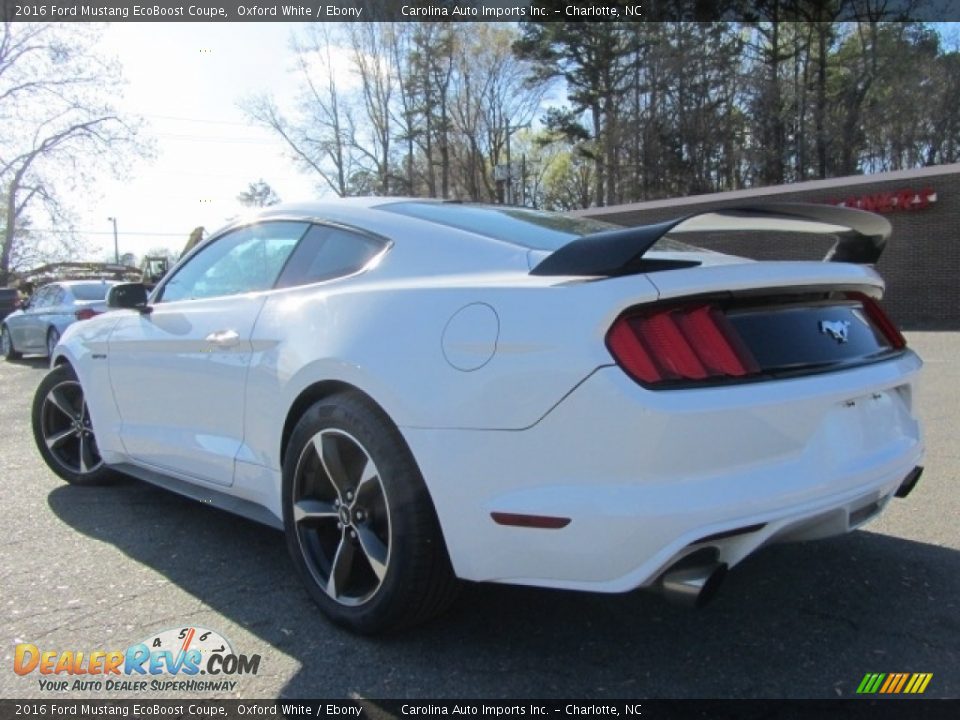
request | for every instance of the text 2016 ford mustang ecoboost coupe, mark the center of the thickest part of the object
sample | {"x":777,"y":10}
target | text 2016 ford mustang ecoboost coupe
{"x":419,"y":391}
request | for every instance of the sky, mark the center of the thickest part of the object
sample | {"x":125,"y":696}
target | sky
{"x":186,"y":80}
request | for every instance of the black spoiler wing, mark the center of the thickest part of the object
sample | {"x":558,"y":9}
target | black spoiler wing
{"x":861,"y":236}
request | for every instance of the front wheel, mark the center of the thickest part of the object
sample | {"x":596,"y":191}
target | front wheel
{"x":6,"y":345}
{"x":360,"y":525}
{"x":53,"y":337}
{"x":63,"y":431}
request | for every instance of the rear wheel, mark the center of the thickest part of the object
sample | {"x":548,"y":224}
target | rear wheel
{"x":63,"y":431}
{"x":53,"y":337}
{"x":6,"y":345}
{"x":360,"y":525}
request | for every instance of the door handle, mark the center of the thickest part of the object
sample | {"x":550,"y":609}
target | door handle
{"x":223,"y":338}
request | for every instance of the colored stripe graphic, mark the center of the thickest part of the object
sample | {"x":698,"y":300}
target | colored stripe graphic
{"x":901,"y":682}
{"x":894,"y":683}
{"x":891,"y":681}
{"x":870,"y":683}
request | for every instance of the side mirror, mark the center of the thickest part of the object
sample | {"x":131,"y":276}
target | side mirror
{"x":128,"y":296}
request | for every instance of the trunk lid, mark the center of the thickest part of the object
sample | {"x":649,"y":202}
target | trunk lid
{"x":748,"y":321}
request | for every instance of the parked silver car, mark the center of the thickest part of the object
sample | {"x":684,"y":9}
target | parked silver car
{"x":37,"y":326}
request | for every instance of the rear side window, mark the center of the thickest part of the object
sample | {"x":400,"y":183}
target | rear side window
{"x":326,"y":253}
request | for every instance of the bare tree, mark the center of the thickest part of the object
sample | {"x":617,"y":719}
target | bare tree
{"x":501,"y":100}
{"x":258,"y":194}
{"x":61,"y":128}
{"x":320,"y":134}
{"x":371,"y":47}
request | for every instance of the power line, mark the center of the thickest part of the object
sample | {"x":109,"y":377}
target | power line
{"x":208,"y":139}
{"x":106,"y":232}
{"x":197,"y":120}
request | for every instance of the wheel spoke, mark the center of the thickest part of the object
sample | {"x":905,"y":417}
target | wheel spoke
{"x":373,"y":550}
{"x":62,"y":404}
{"x":57,"y":439}
{"x":368,"y":478}
{"x":329,"y":452}
{"x":87,"y":461}
{"x":309,"y":510}
{"x":82,"y":454}
{"x":341,"y":567}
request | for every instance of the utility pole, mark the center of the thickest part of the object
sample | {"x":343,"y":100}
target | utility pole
{"x":511,"y":129}
{"x":523,"y":180}
{"x":116,"y":245}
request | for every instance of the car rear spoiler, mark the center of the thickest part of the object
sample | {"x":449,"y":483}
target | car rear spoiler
{"x":861,"y":237}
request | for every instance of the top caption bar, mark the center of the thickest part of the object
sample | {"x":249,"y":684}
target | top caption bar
{"x":474,"y":10}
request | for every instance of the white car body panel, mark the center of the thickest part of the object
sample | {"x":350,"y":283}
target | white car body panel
{"x":189,"y":416}
{"x":509,"y":400}
{"x":672,"y":467}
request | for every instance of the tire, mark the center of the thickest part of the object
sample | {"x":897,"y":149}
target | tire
{"x":6,"y":345}
{"x":63,"y":432}
{"x":362,"y":515}
{"x":53,"y":337}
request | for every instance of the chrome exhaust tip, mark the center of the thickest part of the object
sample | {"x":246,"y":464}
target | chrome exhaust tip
{"x":693,"y":586}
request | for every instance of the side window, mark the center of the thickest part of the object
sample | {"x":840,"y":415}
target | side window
{"x":58,"y":297}
{"x":326,"y":253}
{"x":245,"y":260}
{"x":41,"y":298}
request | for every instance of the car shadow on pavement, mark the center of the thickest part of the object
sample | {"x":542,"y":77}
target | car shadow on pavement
{"x":803,"y":620}
{"x":33,"y":361}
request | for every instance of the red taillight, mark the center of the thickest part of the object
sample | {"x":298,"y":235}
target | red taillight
{"x":881,"y":320}
{"x":679,"y":344}
{"x":85,"y":313}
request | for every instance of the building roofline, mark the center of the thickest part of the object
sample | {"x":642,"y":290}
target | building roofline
{"x":774,"y":190}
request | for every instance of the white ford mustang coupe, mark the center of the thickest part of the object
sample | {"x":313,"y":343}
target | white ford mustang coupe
{"x":419,"y":391}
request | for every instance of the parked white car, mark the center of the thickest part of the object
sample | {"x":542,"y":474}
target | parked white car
{"x":419,"y":391}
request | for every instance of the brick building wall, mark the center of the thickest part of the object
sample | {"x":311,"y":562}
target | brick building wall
{"x":921,"y":263}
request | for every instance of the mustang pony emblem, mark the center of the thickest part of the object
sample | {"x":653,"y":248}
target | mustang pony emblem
{"x":839,"y":330}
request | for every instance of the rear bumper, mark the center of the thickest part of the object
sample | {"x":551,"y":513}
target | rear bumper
{"x":643,"y":476}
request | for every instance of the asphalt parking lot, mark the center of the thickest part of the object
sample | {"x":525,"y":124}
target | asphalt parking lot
{"x":103,"y":568}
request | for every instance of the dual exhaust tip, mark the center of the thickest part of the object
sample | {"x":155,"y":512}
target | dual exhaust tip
{"x":692,"y":585}
{"x":695,"y":580}
{"x":909,"y":482}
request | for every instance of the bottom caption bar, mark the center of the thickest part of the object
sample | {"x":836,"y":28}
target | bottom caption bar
{"x":363,"y":709}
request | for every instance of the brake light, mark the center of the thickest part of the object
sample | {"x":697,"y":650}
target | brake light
{"x":679,"y":344}
{"x":881,"y":320}
{"x":85,"y":313}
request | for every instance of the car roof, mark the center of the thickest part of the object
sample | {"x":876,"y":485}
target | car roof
{"x":74,"y":283}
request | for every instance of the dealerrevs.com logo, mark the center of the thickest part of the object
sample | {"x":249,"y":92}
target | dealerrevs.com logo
{"x":188,"y":659}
